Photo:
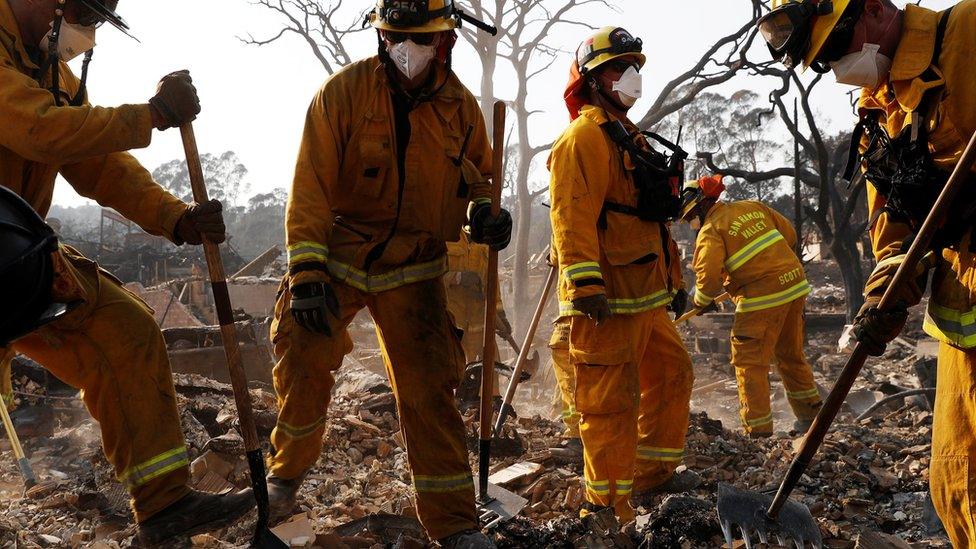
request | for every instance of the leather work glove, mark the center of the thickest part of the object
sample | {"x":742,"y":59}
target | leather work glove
{"x":502,"y":326}
{"x":311,"y":305}
{"x":496,"y":232}
{"x":875,"y":329}
{"x":176,"y":101}
{"x":680,"y":303}
{"x":594,"y":307}
{"x":202,"y":221}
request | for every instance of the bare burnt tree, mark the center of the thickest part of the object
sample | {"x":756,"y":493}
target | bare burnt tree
{"x":837,"y":212}
{"x":323,"y":24}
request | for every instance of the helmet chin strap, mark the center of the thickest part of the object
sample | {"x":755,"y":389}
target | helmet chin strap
{"x":606,"y":96}
{"x":54,"y":59}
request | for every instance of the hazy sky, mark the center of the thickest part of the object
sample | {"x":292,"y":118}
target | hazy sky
{"x":255,"y":98}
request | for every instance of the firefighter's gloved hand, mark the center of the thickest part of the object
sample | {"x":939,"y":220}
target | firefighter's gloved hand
{"x":502,"y":326}
{"x":710,"y":308}
{"x":312,"y":303}
{"x":496,"y":232}
{"x":875,"y":329}
{"x":594,"y":307}
{"x":679,"y":304}
{"x":176,"y":101}
{"x":202,"y":222}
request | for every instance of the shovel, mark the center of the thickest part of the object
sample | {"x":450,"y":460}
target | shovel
{"x":531,"y":363}
{"x":22,"y":463}
{"x":755,"y":512}
{"x":523,"y":360}
{"x":695,"y":312}
{"x":495,"y":504}
{"x":263,"y":538}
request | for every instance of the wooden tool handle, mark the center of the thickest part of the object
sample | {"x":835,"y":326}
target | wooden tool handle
{"x":491,"y":303}
{"x":695,"y":312}
{"x":225,"y":313}
{"x":907,"y":270}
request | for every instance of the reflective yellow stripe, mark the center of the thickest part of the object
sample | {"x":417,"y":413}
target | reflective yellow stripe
{"x":650,"y":453}
{"x":765,"y":420}
{"x":740,"y":257}
{"x":347,"y":274}
{"x":301,"y":431}
{"x":598,"y":487}
{"x":481,"y":201}
{"x":156,"y":467}
{"x":800,"y":395}
{"x":624,"y":487}
{"x":773,"y":300}
{"x":307,"y":251}
{"x":580,"y":271}
{"x":895,"y":259}
{"x":625,"y":306}
{"x":440,"y":484}
{"x":702,"y":299}
{"x":951,"y":326}
{"x":568,"y":412}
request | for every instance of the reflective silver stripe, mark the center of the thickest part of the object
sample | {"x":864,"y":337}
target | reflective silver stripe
{"x":624,"y":487}
{"x":625,"y":306}
{"x":650,"y":453}
{"x":307,"y":251}
{"x":765,"y":420}
{"x":774,"y":300}
{"x":702,"y":299}
{"x":580,"y":271}
{"x":347,"y":274}
{"x":156,"y":467}
{"x":301,"y":431}
{"x":443,"y":483}
{"x":800,"y":395}
{"x":598,"y":487}
{"x":951,"y":326}
{"x":740,"y":257}
{"x":895,"y":259}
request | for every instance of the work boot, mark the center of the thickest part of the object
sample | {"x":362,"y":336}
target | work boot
{"x":568,"y":451}
{"x":801,"y":426}
{"x":195,"y":513}
{"x":760,"y":434}
{"x":466,"y":539}
{"x":680,"y":481}
{"x":282,"y":495}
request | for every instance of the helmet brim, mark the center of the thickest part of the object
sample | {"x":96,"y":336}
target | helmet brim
{"x":441,"y":25}
{"x":109,"y":15}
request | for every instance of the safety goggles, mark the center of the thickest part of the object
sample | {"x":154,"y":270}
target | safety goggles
{"x":621,"y":43}
{"x":413,"y":13}
{"x":419,"y":38}
{"x":787,"y":29}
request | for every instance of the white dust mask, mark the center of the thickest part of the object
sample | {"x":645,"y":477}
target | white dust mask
{"x":74,"y":40}
{"x":411,"y":58}
{"x":629,"y":85}
{"x":866,"y":68}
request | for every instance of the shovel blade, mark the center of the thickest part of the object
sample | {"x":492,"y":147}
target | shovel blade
{"x":265,"y":539}
{"x":499,"y":505}
{"x":746,"y":510}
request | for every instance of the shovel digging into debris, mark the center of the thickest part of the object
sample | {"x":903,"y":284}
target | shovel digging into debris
{"x":760,"y":513}
{"x":263,"y":538}
{"x":22,"y":463}
{"x":495,"y":504}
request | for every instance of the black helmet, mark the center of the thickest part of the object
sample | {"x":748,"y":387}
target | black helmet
{"x":104,"y":10}
{"x":26,"y":269}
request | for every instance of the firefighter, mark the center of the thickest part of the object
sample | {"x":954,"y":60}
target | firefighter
{"x":467,"y":264}
{"x":108,"y":345}
{"x":617,"y":274}
{"x":747,"y":248}
{"x":386,"y":174}
{"x":917,"y":111}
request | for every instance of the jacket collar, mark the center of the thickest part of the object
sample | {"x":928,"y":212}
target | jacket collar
{"x":448,"y":99}
{"x":10,"y":39}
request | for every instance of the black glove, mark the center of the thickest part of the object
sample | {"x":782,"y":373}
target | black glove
{"x":502,"y":326}
{"x":176,"y":101}
{"x":710,"y":308}
{"x":595,"y":307}
{"x":202,"y":221}
{"x":680,"y":303}
{"x":496,"y":232}
{"x":311,"y":305}
{"x":875,"y":329}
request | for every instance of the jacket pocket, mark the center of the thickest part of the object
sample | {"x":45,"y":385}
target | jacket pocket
{"x":602,"y":389}
{"x":455,"y":196}
{"x":375,"y":162}
{"x":628,"y":240}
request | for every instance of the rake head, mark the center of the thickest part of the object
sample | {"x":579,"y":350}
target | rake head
{"x":746,"y":510}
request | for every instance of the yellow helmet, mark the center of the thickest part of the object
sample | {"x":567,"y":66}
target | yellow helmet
{"x":697,"y":191}
{"x":607,"y":44}
{"x":414,"y":15}
{"x":799,"y":31}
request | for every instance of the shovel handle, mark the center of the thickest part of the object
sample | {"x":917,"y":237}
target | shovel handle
{"x":831,"y":407}
{"x":491,"y":303}
{"x":695,"y":312}
{"x":523,"y":356}
{"x":225,"y":313}
{"x":22,"y":463}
